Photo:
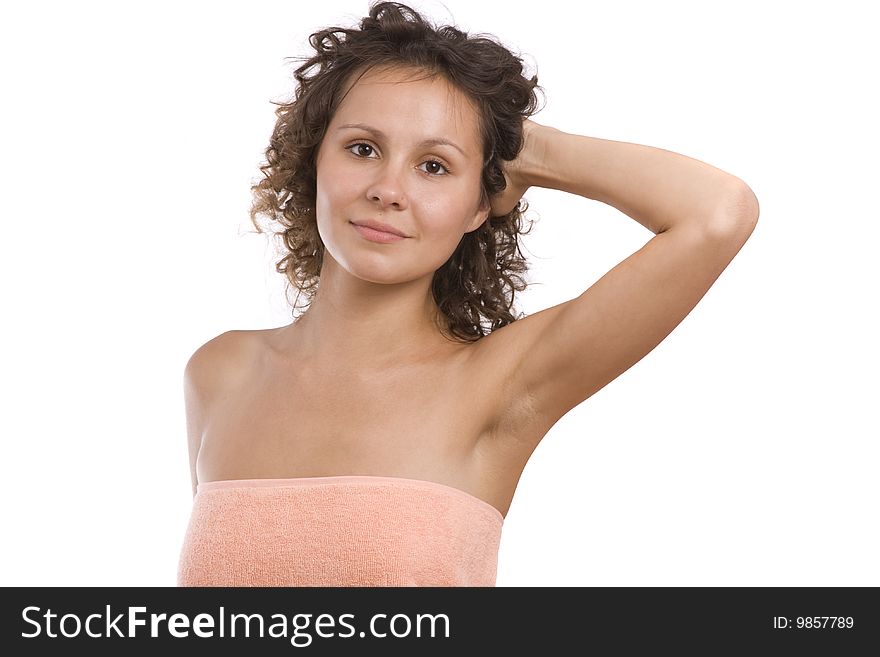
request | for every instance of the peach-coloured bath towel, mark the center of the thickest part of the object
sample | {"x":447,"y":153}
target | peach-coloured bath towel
{"x":350,"y":530}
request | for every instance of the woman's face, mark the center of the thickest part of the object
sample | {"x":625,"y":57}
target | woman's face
{"x":386,"y":170}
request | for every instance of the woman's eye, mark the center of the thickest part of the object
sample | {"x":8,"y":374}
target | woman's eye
{"x":359,"y":144}
{"x":432,"y":163}
{"x":439,"y":164}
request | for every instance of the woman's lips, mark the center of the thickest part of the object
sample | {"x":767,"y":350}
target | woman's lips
{"x":377,"y":235}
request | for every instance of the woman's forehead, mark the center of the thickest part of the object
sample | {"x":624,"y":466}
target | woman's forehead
{"x":395,"y":100}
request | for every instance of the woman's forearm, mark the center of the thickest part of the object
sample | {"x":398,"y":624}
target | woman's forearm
{"x":658,"y":188}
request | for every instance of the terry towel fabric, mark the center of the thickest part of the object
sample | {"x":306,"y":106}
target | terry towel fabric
{"x":350,"y":530}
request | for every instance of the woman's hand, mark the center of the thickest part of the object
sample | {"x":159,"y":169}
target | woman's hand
{"x":516,"y":172}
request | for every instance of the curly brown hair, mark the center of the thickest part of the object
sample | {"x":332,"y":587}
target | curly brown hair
{"x":474,"y":288}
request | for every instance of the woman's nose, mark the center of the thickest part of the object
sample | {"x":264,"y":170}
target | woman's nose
{"x":388,"y":190}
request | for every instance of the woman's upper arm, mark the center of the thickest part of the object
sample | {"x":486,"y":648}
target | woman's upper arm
{"x":557,"y":358}
{"x":211,"y":366}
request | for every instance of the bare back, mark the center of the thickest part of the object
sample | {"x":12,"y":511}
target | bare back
{"x":433,"y":420}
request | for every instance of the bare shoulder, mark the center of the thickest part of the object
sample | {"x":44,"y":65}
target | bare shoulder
{"x":213,"y":369}
{"x":220,"y":360}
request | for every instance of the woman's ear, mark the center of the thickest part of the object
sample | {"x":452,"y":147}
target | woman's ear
{"x":481,"y":215}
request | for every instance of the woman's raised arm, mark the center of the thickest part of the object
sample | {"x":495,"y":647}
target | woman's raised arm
{"x":701,"y":216}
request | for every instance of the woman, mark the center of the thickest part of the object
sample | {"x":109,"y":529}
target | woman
{"x":378,"y":439}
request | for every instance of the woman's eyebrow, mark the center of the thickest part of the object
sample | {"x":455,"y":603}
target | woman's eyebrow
{"x":436,"y":141}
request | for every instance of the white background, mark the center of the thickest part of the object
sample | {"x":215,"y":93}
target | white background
{"x":741,"y":451}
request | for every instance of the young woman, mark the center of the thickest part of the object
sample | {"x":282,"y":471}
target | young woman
{"x":378,"y":439}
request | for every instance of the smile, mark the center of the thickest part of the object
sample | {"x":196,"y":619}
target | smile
{"x":378,"y":236}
